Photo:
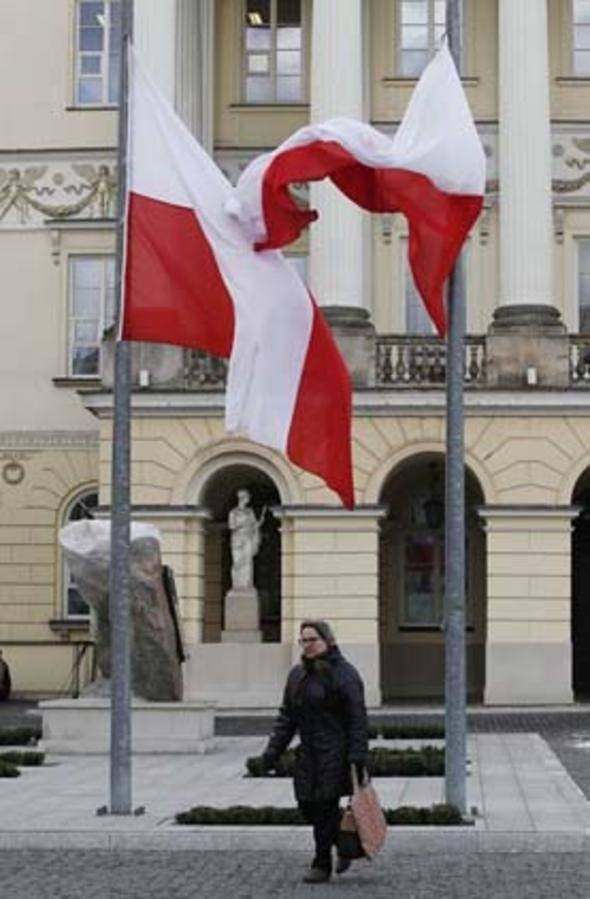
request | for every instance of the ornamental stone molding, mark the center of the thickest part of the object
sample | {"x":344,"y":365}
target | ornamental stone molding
{"x":45,"y":440}
{"x":35,"y":190}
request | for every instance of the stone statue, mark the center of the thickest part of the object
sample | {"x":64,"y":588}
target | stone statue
{"x":156,"y":650}
{"x":245,"y":540}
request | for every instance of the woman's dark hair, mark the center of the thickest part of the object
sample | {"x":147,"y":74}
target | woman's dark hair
{"x":322,"y":628}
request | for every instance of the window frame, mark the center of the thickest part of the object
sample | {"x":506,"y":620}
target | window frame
{"x":244,"y":53}
{"x":79,"y":496}
{"x":104,"y":102}
{"x":575,"y":50}
{"x":578,"y":241}
{"x":432,"y":46}
{"x":71,"y":318}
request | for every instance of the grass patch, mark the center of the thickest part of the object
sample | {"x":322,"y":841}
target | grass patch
{"x":23,"y":759}
{"x":438,"y":815}
{"x":429,"y":761}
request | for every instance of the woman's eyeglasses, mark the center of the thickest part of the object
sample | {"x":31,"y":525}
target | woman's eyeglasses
{"x":304,"y":640}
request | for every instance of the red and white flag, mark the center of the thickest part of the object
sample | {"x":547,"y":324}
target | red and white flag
{"x":433,"y":172}
{"x":192,"y":278}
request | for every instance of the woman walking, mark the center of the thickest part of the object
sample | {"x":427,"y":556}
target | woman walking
{"x":324,"y":702}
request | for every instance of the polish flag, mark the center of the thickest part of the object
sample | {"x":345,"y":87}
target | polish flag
{"x":433,"y":172}
{"x":192,"y":278}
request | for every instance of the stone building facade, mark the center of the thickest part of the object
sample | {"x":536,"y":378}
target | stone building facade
{"x":244,"y":74}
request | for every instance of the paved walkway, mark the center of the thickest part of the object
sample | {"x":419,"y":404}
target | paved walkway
{"x":524,"y":797}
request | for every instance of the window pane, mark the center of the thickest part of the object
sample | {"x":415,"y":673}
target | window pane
{"x":114,"y":70}
{"x":582,"y":62}
{"x":289,"y":89}
{"x":415,"y":13}
{"x":414,"y":37}
{"x":89,"y":13}
{"x":259,"y":89}
{"x":258,"y":63}
{"x":419,"y":579}
{"x":413,"y":62}
{"x":90,"y":65}
{"x":91,"y":38}
{"x":300,"y":264}
{"x":288,"y":62}
{"x":258,"y":38}
{"x":86,"y":303}
{"x":85,"y":361}
{"x":90,"y":90}
{"x":87,"y":272}
{"x":581,"y":11}
{"x":76,"y":607}
{"x":288,"y":12}
{"x":289,"y":38}
{"x":86,"y":332}
{"x":258,"y":12}
{"x":582,"y":37}
{"x":439,"y":31}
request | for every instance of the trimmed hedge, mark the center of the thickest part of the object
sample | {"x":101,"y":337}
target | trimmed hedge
{"x":23,"y":759}
{"x":8,"y":770}
{"x":19,"y":736}
{"x":412,"y":731}
{"x":429,"y":761}
{"x":438,"y":815}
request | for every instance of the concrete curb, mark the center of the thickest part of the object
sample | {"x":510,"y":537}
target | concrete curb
{"x":411,"y":840}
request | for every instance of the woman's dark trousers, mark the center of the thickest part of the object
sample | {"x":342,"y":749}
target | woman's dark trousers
{"x":325,"y":819}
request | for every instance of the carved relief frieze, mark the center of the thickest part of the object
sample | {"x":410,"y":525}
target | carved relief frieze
{"x":570,"y":150}
{"x":31,"y":191}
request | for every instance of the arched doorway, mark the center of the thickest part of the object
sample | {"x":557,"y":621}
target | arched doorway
{"x":411,"y":559}
{"x":219,"y":496}
{"x":580,"y":590}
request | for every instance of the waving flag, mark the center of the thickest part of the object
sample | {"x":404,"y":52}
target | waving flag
{"x":433,"y":172}
{"x":192,"y":278}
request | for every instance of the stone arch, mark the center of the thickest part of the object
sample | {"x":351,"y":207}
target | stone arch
{"x":191,"y":483}
{"x":383,"y":471}
{"x":411,"y":579}
{"x":571,"y":479}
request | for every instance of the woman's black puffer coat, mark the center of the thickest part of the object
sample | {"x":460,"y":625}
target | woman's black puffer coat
{"x":324,"y":702}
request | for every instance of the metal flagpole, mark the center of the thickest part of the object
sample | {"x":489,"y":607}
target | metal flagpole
{"x":120,"y":487}
{"x":455,"y":683}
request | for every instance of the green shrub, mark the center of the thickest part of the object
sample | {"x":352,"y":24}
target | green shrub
{"x":8,"y":770}
{"x":20,"y":736}
{"x":412,"y":731}
{"x":270,"y":815}
{"x":382,"y":762}
{"x":23,"y":759}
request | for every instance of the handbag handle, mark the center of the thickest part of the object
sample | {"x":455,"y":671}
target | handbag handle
{"x":355,"y":780}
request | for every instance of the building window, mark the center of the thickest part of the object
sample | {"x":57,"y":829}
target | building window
{"x":417,"y":319}
{"x":584,"y":286}
{"x":82,"y":507}
{"x":98,"y":45}
{"x":91,"y":310}
{"x":581,"y":37}
{"x":273,"y":51}
{"x":421,"y":26}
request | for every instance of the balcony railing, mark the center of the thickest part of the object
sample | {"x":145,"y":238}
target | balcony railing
{"x":409,"y":361}
{"x":580,"y":360}
{"x":401,"y":361}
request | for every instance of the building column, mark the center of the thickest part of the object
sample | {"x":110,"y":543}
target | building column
{"x":195,"y":41}
{"x":331,"y":572}
{"x":526,"y":332}
{"x":528,"y":655}
{"x":337,"y":240}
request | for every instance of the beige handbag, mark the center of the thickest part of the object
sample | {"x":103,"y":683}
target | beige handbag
{"x":368,"y":815}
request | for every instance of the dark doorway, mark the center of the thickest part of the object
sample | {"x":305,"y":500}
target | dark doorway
{"x":219,"y":497}
{"x":581,"y":591}
{"x":412,"y":583}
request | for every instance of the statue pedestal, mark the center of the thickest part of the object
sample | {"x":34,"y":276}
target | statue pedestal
{"x":242,"y":616}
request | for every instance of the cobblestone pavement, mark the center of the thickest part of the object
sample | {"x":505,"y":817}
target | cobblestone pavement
{"x":252,"y":875}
